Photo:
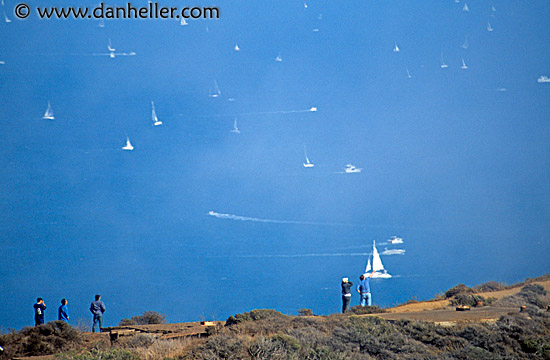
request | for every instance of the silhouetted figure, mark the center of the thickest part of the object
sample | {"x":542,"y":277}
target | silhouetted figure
{"x":39,"y":309}
{"x":346,"y":294}
{"x":63,"y":311}
{"x":97,"y":308}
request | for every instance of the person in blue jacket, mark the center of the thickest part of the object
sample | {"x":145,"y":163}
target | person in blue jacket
{"x":363,"y":288}
{"x":39,"y":309}
{"x":97,"y":308}
{"x":63,"y":311}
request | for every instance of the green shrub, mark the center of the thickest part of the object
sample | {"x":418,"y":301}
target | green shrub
{"x":458,"y":289}
{"x":148,"y":318}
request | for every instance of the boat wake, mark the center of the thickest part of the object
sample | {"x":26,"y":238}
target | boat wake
{"x":274,"y":221}
{"x":311,"y":109}
{"x":295,"y":255}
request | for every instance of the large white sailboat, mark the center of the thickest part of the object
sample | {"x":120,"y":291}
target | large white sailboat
{"x":156,"y":121}
{"x":48,"y":115}
{"x":377,"y":267}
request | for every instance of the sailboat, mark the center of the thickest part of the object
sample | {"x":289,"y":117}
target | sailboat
{"x":156,"y":121}
{"x":235,"y":129}
{"x":377,"y":267}
{"x":128,"y":145}
{"x":237,"y":48}
{"x":48,"y":115}
{"x":110,"y":46}
{"x":408,"y":73}
{"x":183,"y":22}
{"x":350,"y":169}
{"x":489,"y":28}
{"x":465,"y":8}
{"x":279,"y":58}
{"x":443,"y":65}
{"x":464,"y":66}
{"x":465,"y":44}
{"x":543,"y":79}
{"x":307,"y":164}
{"x":101,"y":23}
{"x":396,"y":48}
{"x":305,"y":5}
{"x":215,"y":91}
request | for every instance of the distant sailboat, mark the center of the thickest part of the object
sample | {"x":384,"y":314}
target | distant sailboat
{"x":489,"y":28}
{"x":2,"y":62}
{"x":464,"y":66}
{"x":183,"y":22}
{"x":305,"y":5}
{"x":235,"y":129}
{"x":215,"y":90}
{"x":110,"y":47}
{"x":156,"y":121}
{"x":48,"y":115}
{"x":396,"y":48}
{"x":279,"y":58}
{"x":408,"y":73}
{"x":443,"y":64}
{"x":465,"y":8}
{"x":543,"y":79}
{"x":6,"y":19}
{"x":101,"y":23}
{"x":465,"y":43}
{"x":313,"y":109}
{"x":237,"y":47}
{"x":307,"y":164}
{"x":128,"y":145}
{"x":377,"y":266}
{"x":493,"y":9}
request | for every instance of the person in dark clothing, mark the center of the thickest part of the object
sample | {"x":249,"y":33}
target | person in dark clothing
{"x":63,"y":311}
{"x":346,"y":294}
{"x":39,"y":309}
{"x":97,"y":308}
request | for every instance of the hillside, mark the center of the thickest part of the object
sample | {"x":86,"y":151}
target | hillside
{"x":419,"y":330}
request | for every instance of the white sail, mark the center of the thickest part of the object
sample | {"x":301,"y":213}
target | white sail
{"x":443,"y":64}
{"x":308,"y":163}
{"x":110,"y":46}
{"x":279,"y":58}
{"x":408,"y":73}
{"x":183,"y":22}
{"x":6,"y":19}
{"x":465,"y":43}
{"x":464,"y":66}
{"x":543,"y":79}
{"x":376,"y":261}
{"x":235,"y":128}
{"x":396,"y":48}
{"x":215,"y":91}
{"x":489,"y":27}
{"x":48,"y":115}
{"x":465,"y":8}
{"x":128,"y":146}
{"x":368,"y":268}
{"x":156,"y":121}
{"x":237,"y":48}
{"x":305,"y":5}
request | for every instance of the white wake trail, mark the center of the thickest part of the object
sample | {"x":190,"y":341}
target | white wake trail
{"x":274,"y":221}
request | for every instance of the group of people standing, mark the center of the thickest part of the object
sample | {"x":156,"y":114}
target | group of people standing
{"x":363,"y":288}
{"x":97,"y":308}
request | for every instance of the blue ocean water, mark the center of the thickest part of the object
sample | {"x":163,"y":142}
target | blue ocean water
{"x":456,"y":162}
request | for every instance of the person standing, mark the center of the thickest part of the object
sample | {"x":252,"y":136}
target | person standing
{"x":63,"y":311}
{"x":97,"y":308}
{"x":39,"y":309}
{"x":346,"y":294}
{"x":363,"y":288}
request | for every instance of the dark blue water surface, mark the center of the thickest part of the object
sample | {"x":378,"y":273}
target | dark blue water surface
{"x":456,"y":162}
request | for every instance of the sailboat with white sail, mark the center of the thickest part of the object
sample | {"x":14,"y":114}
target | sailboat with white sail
{"x":396,"y":48}
{"x":307,"y":164}
{"x":215,"y":90}
{"x":48,"y":115}
{"x":183,"y":22}
{"x":235,"y":129}
{"x":408,"y":73}
{"x":465,"y":43}
{"x":443,"y":64}
{"x":156,"y":121}
{"x":489,"y":27}
{"x":237,"y":48}
{"x":464,"y":66}
{"x":279,"y":58}
{"x":377,"y":266}
{"x":465,"y":7}
{"x":128,"y":146}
